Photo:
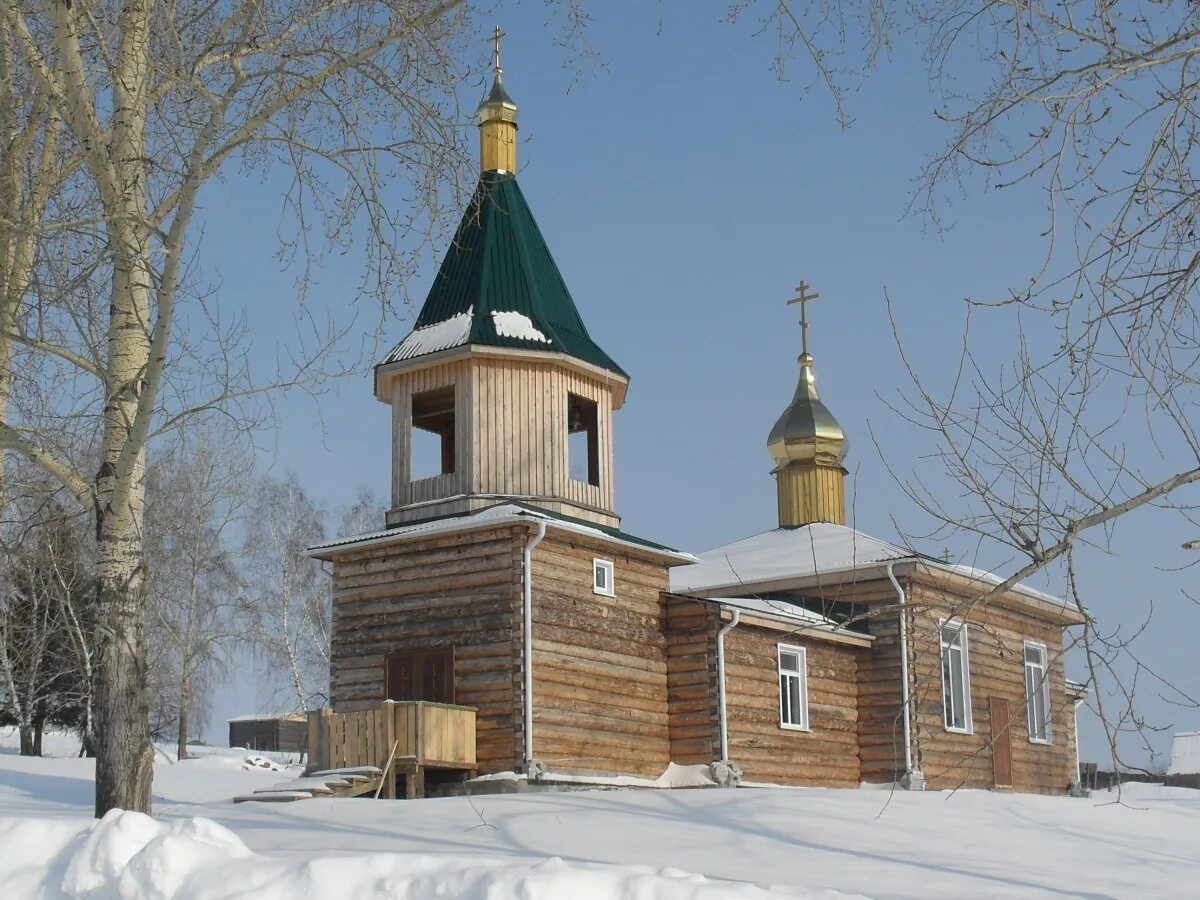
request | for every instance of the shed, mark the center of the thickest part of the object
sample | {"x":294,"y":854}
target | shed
{"x":283,"y":732}
{"x":1185,"y":760}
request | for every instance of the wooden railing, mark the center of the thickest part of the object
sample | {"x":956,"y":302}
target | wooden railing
{"x":424,"y":735}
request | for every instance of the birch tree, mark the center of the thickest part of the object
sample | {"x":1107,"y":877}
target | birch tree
{"x":287,"y":593}
{"x":196,"y":495}
{"x":150,"y":100}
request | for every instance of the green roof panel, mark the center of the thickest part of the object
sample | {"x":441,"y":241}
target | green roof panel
{"x":498,"y":286}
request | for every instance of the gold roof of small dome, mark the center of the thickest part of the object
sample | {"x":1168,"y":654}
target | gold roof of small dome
{"x":497,"y":105}
{"x":807,"y":430}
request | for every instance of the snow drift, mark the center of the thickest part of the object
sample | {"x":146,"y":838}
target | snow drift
{"x":130,"y":856}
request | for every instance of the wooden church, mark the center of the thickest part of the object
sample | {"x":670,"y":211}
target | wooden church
{"x":503,"y":585}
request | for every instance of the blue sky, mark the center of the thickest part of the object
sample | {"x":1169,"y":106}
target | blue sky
{"x":684,"y":191}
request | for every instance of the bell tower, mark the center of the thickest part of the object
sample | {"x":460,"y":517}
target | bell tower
{"x":499,"y":380}
{"x":808,"y":445}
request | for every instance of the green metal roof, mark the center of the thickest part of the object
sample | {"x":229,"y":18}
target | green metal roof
{"x":499,"y":286}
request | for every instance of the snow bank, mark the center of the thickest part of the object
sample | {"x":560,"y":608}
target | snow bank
{"x":129,"y":855}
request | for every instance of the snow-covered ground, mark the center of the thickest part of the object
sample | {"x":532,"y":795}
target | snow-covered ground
{"x":752,"y":842}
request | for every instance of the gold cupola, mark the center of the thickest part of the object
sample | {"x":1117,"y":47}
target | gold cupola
{"x":497,"y":120}
{"x":808,"y":446}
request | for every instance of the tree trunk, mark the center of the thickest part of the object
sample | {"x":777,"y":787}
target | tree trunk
{"x":39,"y":727}
{"x":27,"y":741}
{"x":124,"y":755}
{"x":184,"y":690}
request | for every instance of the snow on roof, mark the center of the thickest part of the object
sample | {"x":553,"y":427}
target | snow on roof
{"x":452,"y":332}
{"x":500,"y":514}
{"x":785,"y":553}
{"x":1185,"y":754}
{"x":776,"y":610}
{"x":263,"y":717}
{"x":512,"y":324}
{"x":822,"y":548}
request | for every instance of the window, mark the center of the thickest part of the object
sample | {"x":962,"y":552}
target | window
{"x":793,"y":688}
{"x":602,"y":577}
{"x":433,"y":433}
{"x":1037,"y":693}
{"x":583,"y":440}
{"x":956,"y":677}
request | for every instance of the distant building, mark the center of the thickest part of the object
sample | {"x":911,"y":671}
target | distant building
{"x":1185,"y":760}
{"x":284,"y":732}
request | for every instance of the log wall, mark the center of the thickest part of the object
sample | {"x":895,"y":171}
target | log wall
{"x":456,"y":590}
{"x":600,"y":663}
{"x":692,"y":713}
{"x":996,"y":660}
{"x":880,"y":713}
{"x":826,"y":754}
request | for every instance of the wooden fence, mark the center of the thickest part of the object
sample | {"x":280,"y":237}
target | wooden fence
{"x":424,"y":735}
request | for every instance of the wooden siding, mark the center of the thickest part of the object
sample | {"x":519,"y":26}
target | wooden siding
{"x":826,"y":754}
{"x":809,"y":492}
{"x":692,"y":713}
{"x":283,"y":735}
{"x":600,"y":663}
{"x":454,"y":590}
{"x":880,"y":722}
{"x":436,"y":735}
{"x":995,"y":651}
{"x":404,"y":489}
{"x":520,"y":432}
{"x":510,"y":435}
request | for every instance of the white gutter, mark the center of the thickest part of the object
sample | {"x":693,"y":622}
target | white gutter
{"x":912,"y":777}
{"x":527,"y":577}
{"x":722,"y":716}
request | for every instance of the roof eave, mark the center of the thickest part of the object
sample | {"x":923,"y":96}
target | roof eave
{"x":400,"y":535}
{"x":385,"y":371}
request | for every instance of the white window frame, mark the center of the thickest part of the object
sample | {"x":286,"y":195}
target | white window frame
{"x":609,"y":588}
{"x":968,"y":726}
{"x":801,"y":674}
{"x":1030,"y":709}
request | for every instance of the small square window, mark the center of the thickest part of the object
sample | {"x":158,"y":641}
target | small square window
{"x":602,"y":577}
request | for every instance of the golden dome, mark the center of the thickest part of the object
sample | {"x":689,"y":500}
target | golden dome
{"x":497,"y":106}
{"x":807,"y":430}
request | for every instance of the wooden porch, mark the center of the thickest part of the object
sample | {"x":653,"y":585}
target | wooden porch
{"x":401,"y":738}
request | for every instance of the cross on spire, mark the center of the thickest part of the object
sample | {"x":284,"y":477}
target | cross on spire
{"x":804,"y":296}
{"x":497,"y":37}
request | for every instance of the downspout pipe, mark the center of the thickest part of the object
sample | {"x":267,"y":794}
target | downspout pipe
{"x":913,"y":779}
{"x":722,"y":709}
{"x":527,"y":578}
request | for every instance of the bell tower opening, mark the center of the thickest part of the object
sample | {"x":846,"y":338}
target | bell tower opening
{"x":583,"y":439}
{"x":433,"y":431}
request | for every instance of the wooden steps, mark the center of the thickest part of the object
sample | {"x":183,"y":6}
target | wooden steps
{"x":349,"y":782}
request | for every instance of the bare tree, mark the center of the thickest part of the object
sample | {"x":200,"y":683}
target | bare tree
{"x":287,"y":593}
{"x":47,"y":593}
{"x":1091,"y":416}
{"x":153,"y":100}
{"x":196,"y":494}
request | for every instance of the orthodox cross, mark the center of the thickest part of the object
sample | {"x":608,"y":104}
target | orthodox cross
{"x":497,"y":37}
{"x":803,"y":296}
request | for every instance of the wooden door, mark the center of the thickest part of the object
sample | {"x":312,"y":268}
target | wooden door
{"x":1002,"y":760}
{"x":423,"y":675}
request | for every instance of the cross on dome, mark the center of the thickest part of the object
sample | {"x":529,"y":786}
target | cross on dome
{"x":804,"y":296}
{"x":496,"y":38}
